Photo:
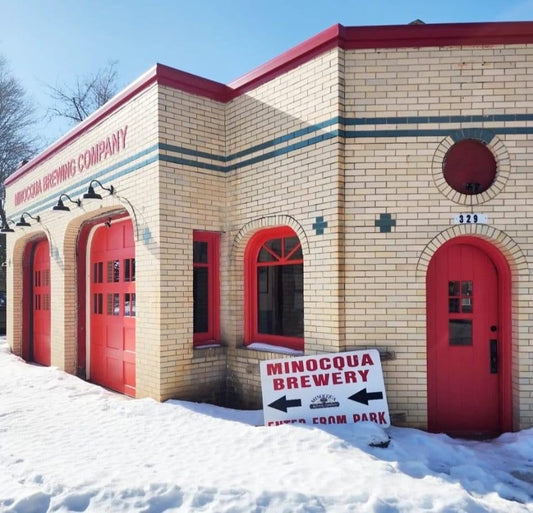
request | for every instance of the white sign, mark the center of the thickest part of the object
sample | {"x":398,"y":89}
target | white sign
{"x":470,"y":219}
{"x":338,"y":388}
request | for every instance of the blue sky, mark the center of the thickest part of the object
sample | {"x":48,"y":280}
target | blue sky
{"x":54,"y":41}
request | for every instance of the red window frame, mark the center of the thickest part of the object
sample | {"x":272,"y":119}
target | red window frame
{"x":212,"y":335}
{"x":251,"y":306}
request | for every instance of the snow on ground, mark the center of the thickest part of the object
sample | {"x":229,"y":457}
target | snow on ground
{"x":69,"y":446}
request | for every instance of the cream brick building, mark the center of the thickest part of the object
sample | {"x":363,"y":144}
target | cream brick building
{"x":369,"y":188}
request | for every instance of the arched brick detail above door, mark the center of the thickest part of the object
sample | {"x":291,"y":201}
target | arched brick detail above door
{"x":509,"y":248}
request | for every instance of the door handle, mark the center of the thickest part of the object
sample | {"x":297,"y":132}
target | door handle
{"x":493,"y":356}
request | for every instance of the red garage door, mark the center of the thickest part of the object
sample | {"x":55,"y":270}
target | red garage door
{"x":112,"y":300}
{"x":41,"y":303}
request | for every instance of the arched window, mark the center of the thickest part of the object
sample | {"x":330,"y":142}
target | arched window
{"x":274,"y":310}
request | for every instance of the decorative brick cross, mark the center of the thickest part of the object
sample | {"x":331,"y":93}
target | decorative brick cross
{"x":319,"y":225}
{"x":385,"y":223}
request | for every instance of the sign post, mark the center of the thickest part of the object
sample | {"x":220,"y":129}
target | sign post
{"x":337,"y":388}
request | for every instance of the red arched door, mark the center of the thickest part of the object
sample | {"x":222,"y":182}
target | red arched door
{"x":112,"y":304}
{"x":41,"y":303}
{"x":465,"y":338}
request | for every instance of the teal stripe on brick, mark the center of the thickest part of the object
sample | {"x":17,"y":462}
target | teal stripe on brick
{"x":414,"y":132}
{"x":194,"y":153}
{"x":283,"y":151}
{"x":420,"y":120}
{"x":456,"y":133}
{"x":253,"y":149}
{"x":285,"y":138}
{"x":442,"y":132}
{"x":193,"y":163}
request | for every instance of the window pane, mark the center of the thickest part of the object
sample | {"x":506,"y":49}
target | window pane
{"x":113,"y":271}
{"x":466,"y":305}
{"x":98,"y":271}
{"x":297,"y":255}
{"x":280,"y":300}
{"x":275,"y":246}
{"x":290,"y":244}
{"x":453,"y":288}
{"x":453,"y":305}
{"x":201,"y":299}
{"x":113,"y":304}
{"x":460,"y":332}
{"x":127,"y":269}
{"x":466,"y":288}
{"x":265,"y":256}
{"x":127,"y":305}
{"x":200,"y":252}
{"x":97,"y":303}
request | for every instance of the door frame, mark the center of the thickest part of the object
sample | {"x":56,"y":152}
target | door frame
{"x":27,"y":295}
{"x":83,"y":270}
{"x":93,"y":229}
{"x":504,"y":277}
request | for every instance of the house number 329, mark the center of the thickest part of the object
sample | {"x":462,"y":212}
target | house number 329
{"x":470,"y":218}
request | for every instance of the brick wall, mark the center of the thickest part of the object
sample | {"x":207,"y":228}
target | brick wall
{"x":399,"y":172}
{"x":191,"y":198}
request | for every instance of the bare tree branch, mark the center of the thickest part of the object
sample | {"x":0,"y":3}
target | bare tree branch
{"x":16,"y":118}
{"x":85,"y":96}
{"x":16,"y":143}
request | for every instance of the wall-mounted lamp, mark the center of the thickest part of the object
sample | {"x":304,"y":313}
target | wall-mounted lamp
{"x":5,"y":228}
{"x":61,"y":206}
{"x":23,"y":221}
{"x":90,"y":194}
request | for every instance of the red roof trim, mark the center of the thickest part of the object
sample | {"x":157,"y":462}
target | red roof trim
{"x":193,"y":84}
{"x":437,"y":34}
{"x":392,"y":36}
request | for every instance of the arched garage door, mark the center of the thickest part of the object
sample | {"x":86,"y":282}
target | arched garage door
{"x":40,"y":324}
{"x":112,"y":306}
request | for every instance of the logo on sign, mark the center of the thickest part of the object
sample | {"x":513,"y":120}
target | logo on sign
{"x":323,"y":401}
